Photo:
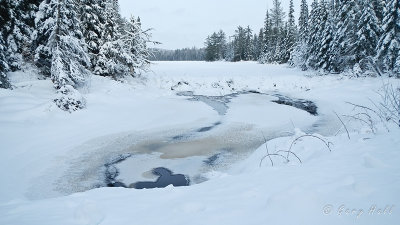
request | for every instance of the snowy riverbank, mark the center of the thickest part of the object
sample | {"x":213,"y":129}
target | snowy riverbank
{"x":48,"y":155}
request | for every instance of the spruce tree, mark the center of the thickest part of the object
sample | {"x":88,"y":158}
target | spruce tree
{"x":260,"y":44}
{"x":18,"y":30}
{"x":248,"y":53}
{"x":4,"y":19}
{"x":348,"y":15}
{"x":61,"y":50}
{"x":210,"y":48}
{"x":3,"y":65}
{"x":314,"y":40}
{"x":299,"y":54}
{"x":62,"y":46}
{"x":388,"y":48}
{"x":327,"y":30}
{"x":92,"y":19}
{"x":268,"y":45}
{"x":239,"y":44}
{"x":135,"y":41}
{"x":221,"y":44}
{"x":109,"y":61}
{"x":303,"y":21}
{"x":291,"y":34}
{"x":278,"y":31}
{"x":367,"y":32}
{"x":123,"y":46}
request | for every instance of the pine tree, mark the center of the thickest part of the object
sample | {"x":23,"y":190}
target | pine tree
{"x":327,"y":30}
{"x":303,"y":21}
{"x":277,"y":14}
{"x":216,"y":46}
{"x":268,"y":45}
{"x":367,"y":32}
{"x":135,"y":41}
{"x":314,"y":40}
{"x":248,"y":44}
{"x":110,"y":60}
{"x":221,"y":44}
{"x":388,"y":48}
{"x":18,"y":30}
{"x":335,"y":61}
{"x":61,"y":43}
{"x":114,"y":58}
{"x":92,"y":19}
{"x":275,"y":32}
{"x":4,"y":19}
{"x":239,"y":44}
{"x":61,"y":50}
{"x":278,"y":31}
{"x":3,"y":65}
{"x":210,"y":49}
{"x":299,"y":54}
{"x":291,"y":35}
{"x":260,"y":44}
{"x":348,"y":15}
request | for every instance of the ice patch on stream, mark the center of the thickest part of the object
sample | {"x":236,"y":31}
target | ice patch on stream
{"x":192,"y":151}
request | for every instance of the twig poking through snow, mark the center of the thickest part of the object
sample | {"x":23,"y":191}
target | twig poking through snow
{"x":327,"y":143}
{"x":344,"y":125}
{"x":269,"y":155}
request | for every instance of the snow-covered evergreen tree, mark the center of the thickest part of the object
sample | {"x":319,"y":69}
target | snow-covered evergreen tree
{"x":112,"y":60}
{"x":303,"y":21}
{"x":345,"y":36}
{"x":291,"y":35}
{"x":135,"y":41}
{"x":4,"y":18}
{"x":63,"y":49}
{"x":314,"y":40}
{"x":92,"y":19}
{"x":248,"y":44}
{"x":327,"y":27}
{"x":368,"y":32}
{"x":388,"y":48}
{"x":260,"y":44}
{"x":299,"y":54}
{"x":18,"y":30}
{"x":3,"y":65}
{"x":123,"y":48}
{"x":62,"y":44}
{"x":267,"y":53}
{"x":275,"y":31}
{"x":240,"y":44}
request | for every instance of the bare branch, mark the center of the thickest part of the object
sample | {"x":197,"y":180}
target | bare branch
{"x":290,"y":152}
{"x":308,"y":135}
{"x":268,"y":155}
{"x":344,"y":125}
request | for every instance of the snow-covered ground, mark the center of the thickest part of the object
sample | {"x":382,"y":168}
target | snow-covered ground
{"x":51,"y":160}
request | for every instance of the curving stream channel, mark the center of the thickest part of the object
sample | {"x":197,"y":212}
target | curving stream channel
{"x":202,"y":153}
{"x":184,"y":156}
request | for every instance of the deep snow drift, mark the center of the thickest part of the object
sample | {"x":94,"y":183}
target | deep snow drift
{"x":48,"y":155}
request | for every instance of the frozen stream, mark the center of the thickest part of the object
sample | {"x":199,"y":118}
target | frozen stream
{"x":129,"y":159}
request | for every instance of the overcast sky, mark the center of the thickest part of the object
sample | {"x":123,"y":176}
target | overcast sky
{"x":186,"y":23}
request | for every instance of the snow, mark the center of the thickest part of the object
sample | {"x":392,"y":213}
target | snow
{"x":50,"y":158}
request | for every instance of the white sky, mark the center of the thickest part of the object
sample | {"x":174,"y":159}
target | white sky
{"x":186,"y":23}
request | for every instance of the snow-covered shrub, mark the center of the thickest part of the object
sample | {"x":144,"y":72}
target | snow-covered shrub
{"x":384,"y":112}
{"x":299,"y":56}
{"x":69,"y":99}
{"x":389,"y":105}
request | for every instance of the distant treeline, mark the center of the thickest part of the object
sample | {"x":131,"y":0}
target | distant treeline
{"x":184,"y":54}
